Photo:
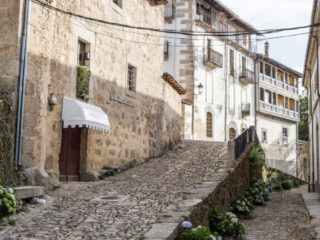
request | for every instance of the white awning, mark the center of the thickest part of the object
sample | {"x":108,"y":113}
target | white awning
{"x":77,"y":113}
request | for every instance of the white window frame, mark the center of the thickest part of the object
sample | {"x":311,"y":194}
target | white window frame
{"x":264,"y":130}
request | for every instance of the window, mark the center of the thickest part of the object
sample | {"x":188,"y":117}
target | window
{"x":261,"y":94}
{"x":231,"y":62}
{"x":245,"y":40}
{"x":273,"y":72}
{"x":118,"y":2}
{"x":274,"y":98}
{"x":261,"y":67}
{"x":81,"y":53}
{"x":268,"y":70}
{"x":264,"y":136}
{"x":268,"y":96}
{"x":244,"y":65}
{"x":209,"y":124}
{"x":132,"y":76}
{"x":285,"y":136}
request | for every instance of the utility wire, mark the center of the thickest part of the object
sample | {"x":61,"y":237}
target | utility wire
{"x":161,"y":45}
{"x":190,"y":33}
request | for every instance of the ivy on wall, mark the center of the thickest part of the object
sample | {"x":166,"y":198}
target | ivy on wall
{"x":83,"y":79}
{"x":7,"y":129}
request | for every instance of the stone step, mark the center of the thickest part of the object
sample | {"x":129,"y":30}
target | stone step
{"x":25,"y":192}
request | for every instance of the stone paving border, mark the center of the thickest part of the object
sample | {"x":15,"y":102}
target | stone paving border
{"x":170,"y":226}
{"x":219,"y":188}
{"x":312,"y":201}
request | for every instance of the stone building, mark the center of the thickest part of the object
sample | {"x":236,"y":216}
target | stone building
{"x":311,"y":82}
{"x":109,"y":100}
{"x":216,"y":71}
{"x":277,"y":112}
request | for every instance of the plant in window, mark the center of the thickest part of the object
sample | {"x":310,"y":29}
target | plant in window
{"x":83,"y":79}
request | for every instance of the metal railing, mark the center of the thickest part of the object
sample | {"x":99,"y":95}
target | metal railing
{"x":249,"y":75}
{"x":239,"y":145}
{"x":245,"y":108}
{"x":169,"y":10}
{"x":214,"y":57}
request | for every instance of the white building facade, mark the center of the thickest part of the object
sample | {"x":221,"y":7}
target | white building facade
{"x":216,"y":71}
{"x":277,"y":112}
{"x":311,"y":82}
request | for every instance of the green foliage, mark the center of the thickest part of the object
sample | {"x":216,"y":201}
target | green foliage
{"x":7,"y":129}
{"x":199,"y":233}
{"x":287,"y":185}
{"x":8,"y":204}
{"x":241,"y":206}
{"x":303,"y":126}
{"x":257,"y":158}
{"x":83,"y":79}
{"x":227,"y":224}
{"x":258,"y":192}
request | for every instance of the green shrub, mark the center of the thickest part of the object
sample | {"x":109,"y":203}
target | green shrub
{"x":199,"y":233}
{"x":83,"y":79}
{"x":257,"y":158}
{"x":226,"y":225}
{"x":258,"y":192}
{"x":287,"y":185}
{"x":241,"y":206}
{"x":8,"y":204}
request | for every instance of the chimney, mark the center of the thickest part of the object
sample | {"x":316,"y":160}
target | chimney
{"x":266,"y":49}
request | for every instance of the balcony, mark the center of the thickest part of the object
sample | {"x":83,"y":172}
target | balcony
{"x":245,"y":109}
{"x":279,"y":111}
{"x":278,"y":83}
{"x":160,"y":2}
{"x":213,"y":59}
{"x":169,"y":10}
{"x":206,"y":20}
{"x":246,"y":77}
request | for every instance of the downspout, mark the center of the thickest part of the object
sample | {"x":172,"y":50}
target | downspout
{"x":22,"y":85}
{"x":225,"y":89}
{"x":312,"y":148}
{"x":313,"y":172}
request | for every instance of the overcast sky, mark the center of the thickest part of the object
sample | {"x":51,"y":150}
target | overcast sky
{"x":266,"y":14}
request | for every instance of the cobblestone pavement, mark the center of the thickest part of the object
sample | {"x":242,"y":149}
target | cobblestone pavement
{"x":284,"y":218}
{"x":74,"y":212}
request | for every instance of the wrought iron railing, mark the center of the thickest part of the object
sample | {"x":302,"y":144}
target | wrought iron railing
{"x":249,"y":75}
{"x":169,"y":10}
{"x":214,"y":57}
{"x":239,"y":145}
{"x":205,"y":17}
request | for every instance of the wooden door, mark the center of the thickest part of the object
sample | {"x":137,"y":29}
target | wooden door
{"x":70,"y":154}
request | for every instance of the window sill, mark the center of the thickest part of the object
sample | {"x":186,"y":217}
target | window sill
{"x":131,"y":94}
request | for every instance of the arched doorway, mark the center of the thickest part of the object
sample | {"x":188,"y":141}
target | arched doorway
{"x":232,"y":133}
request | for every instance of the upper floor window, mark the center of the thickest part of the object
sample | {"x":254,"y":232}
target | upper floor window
{"x":118,"y":2}
{"x":131,"y":79}
{"x":285,"y":136}
{"x":261,"y":67}
{"x":82,"y":53}
{"x":261,"y":94}
{"x":209,"y":124}
{"x":231,"y":63}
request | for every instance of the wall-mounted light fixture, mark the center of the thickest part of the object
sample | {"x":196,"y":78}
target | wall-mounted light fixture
{"x":200,"y":88}
{"x":52,"y":101}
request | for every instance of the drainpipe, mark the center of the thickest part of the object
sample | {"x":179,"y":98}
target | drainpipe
{"x":22,"y":86}
{"x":226,"y":82}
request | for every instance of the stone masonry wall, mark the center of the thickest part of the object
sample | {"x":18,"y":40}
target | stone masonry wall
{"x":10,"y":13}
{"x":303,"y":159}
{"x":136,"y":133}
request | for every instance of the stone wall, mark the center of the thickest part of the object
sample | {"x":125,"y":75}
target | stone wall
{"x":136,"y":133}
{"x":303,"y":160}
{"x":10,"y":14}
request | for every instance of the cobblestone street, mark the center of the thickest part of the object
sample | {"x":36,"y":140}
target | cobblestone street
{"x":285,"y":217}
{"x":74,"y":212}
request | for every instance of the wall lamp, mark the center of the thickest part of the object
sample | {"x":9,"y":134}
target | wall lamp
{"x":52,"y":101}
{"x":200,"y":88}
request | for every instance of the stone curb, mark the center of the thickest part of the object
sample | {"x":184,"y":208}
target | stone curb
{"x":170,"y":225}
{"x":312,"y":202}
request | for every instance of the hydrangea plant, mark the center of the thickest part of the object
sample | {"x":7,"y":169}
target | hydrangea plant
{"x":8,"y":204}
